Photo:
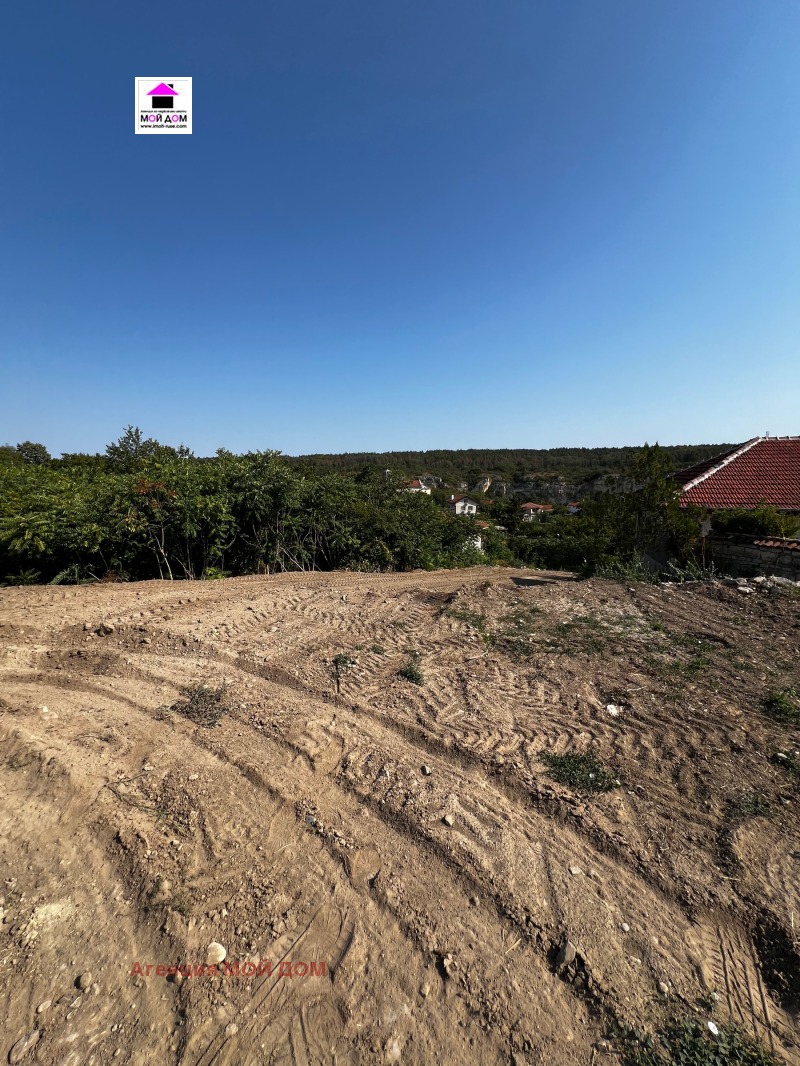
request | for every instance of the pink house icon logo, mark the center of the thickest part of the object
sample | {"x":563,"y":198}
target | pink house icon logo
{"x":163,"y":104}
{"x":163,"y":95}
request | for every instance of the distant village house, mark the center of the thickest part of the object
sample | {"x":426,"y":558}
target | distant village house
{"x":417,"y":486}
{"x":532,"y":512}
{"x":461,"y":504}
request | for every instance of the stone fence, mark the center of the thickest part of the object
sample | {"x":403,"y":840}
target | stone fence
{"x":743,"y":556}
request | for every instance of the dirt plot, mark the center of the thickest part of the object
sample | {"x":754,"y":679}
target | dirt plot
{"x":514,"y":814}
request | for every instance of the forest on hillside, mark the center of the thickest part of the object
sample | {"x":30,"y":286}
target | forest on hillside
{"x":507,"y":464}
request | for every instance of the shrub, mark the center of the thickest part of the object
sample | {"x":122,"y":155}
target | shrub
{"x":760,"y":521}
{"x":24,"y":577}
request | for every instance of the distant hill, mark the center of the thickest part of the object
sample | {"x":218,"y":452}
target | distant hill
{"x":513,"y":465}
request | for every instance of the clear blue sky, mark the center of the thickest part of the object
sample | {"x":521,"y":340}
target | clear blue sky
{"x":402,"y":225}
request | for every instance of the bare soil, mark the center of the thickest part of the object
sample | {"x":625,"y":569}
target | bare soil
{"x":242,"y":762}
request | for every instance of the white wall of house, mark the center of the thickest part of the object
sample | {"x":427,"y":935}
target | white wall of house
{"x":465,"y":506}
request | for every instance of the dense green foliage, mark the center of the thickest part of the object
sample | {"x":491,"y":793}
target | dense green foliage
{"x":762,"y":521}
{"x":144,"y":510}
{"x":614,"y":528}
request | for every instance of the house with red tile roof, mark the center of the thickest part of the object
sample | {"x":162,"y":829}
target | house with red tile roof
{"x":532,"y":512}
{"x":462,"y":504}
{"x":764,"y":470}
{"x":417,"y":486}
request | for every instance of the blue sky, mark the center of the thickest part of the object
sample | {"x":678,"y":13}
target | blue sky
{"x":417,"y":225}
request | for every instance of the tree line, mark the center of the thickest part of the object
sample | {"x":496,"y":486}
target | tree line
{"x":147,"y":510}
{"x":508,"y":464}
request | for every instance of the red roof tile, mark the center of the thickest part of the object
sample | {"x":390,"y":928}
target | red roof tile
{"x":763,"y":470}
{"x":536,"y":507}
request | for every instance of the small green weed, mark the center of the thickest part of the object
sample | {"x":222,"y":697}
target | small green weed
{"x":376,"y":649}
{"x":180,"y":903}
{"x":692,"y":669}
{"x":340,"y":664}
{"x":411,"y":670}
{"x":581,"y":772}
{"x":516,"y":637}
{"x":783,"y":705}
{"x":203,"y":704}
{"x":747,"y":805}
{"x":475,"y":620}
{"x":789,"y":763}
{"x":586,"y":633}
{"x":690,"y":1042}
{"x":708,"y":1002}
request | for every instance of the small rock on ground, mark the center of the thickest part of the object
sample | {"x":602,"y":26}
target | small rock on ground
{"x":567,"y":954}
{"x":23,"y":1046}
{"x":393,"y":1051}
{"x":215,"y":954}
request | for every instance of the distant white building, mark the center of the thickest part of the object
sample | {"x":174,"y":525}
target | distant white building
{"x":417,"y":486}
{"x":460,"y":504}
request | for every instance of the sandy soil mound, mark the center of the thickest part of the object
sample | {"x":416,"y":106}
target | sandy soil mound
{"x":479,"y":816}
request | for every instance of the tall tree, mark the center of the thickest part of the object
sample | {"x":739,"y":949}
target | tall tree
{"x":31,"y":452}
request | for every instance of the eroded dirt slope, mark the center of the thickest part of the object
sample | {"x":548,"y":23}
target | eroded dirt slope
{"x":410,"y":836}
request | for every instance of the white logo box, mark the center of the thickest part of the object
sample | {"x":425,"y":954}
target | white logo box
{"x":163,"y":106}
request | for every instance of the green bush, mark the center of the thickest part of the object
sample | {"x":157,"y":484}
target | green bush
{"x":24,"y":577}
{"x":759,"y":521}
